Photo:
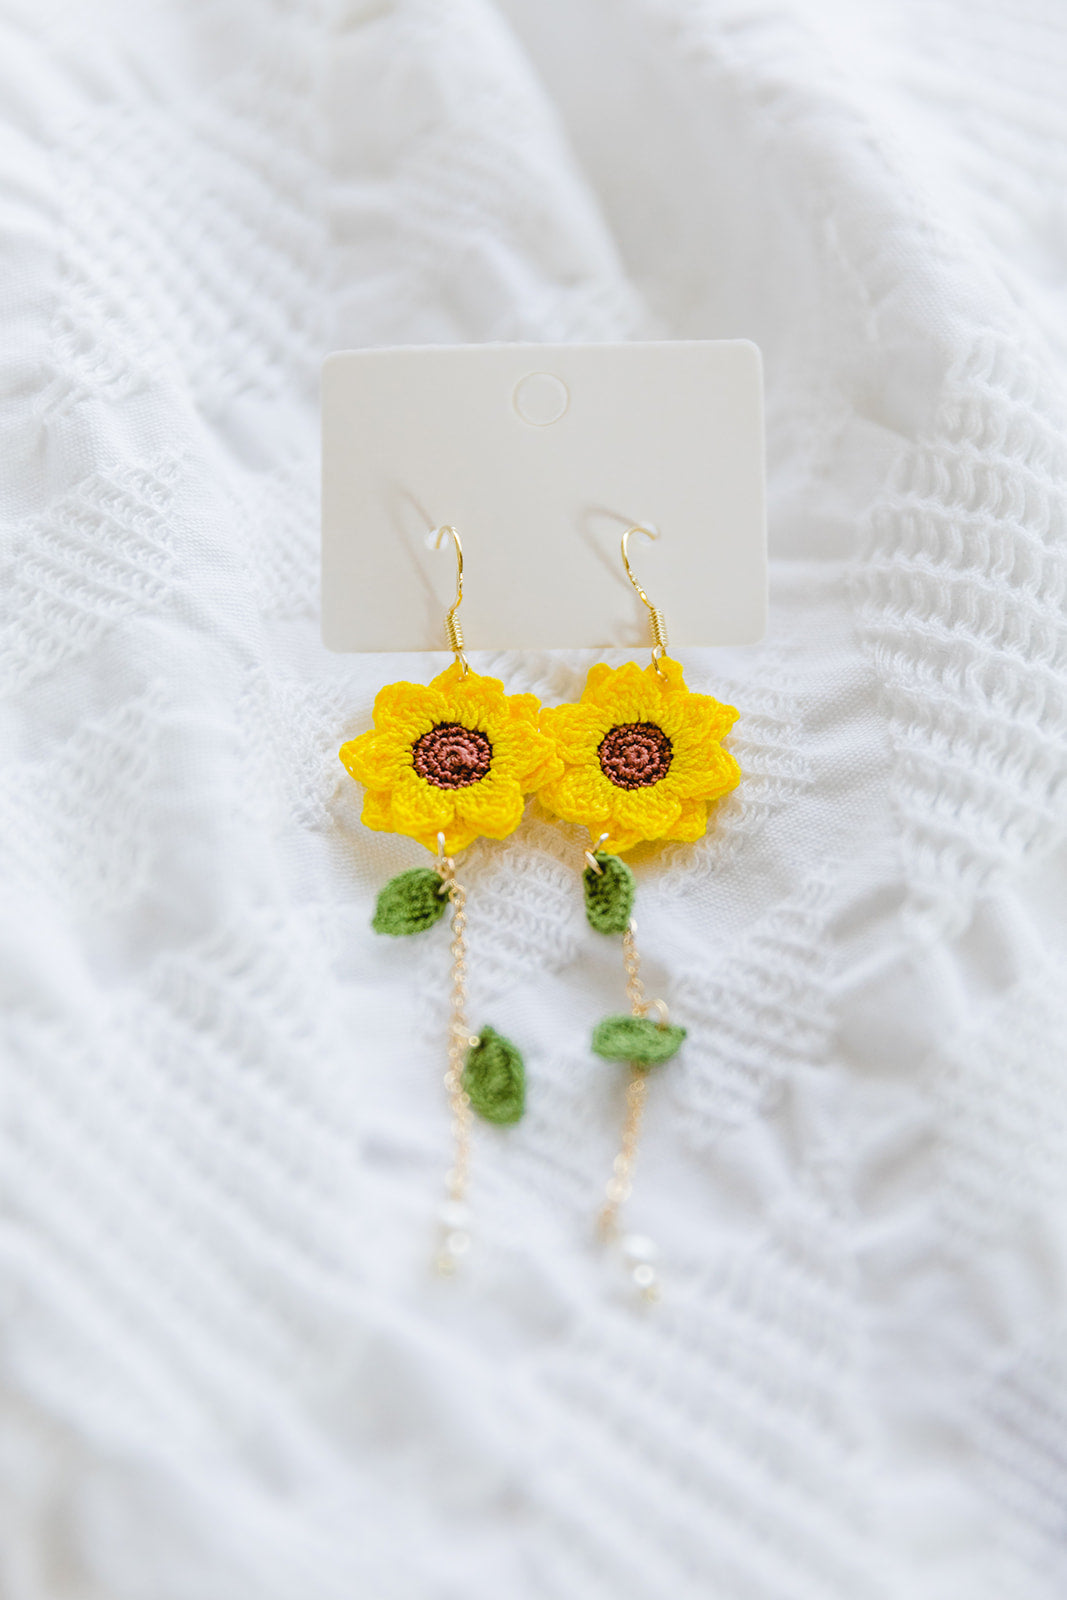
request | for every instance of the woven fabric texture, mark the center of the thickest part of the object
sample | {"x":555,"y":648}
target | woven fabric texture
{"x":225,"y":1372}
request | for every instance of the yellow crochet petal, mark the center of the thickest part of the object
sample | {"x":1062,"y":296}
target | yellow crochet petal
{"x":621,"y":838}
{"x":691,"y":756}
{"x":549,"y":770}
{"x":378,"y":811}
{"x":652,"y":811}
{"x":633,"y":694}
{"x":721,"y":718}
{"x":582,"y":794}
{"x":458,"y":835}
{"x":472,"y":699}
{"x":541,"y":758}
{"x":540,"y":761}
{"x":598,"y":679}
{"x":420,"y":808}
{"x":520,"y":751}
{"x":452,"y":674}
{"x":510,"y":741}
{"x":709,"y":772}
{"x":725,"y":775}
{"x":358,"y":757}
{"x":376,"y":759}
{"x":692,"y":822}
{"x":524,"y":707}
{"x":633,"y":704}
{"x":692,"y":774}
{"x":577,"y":730}
{"x":615,"y":686}
{"x":493,"y":807}
{"x":682,"y":722}
{"x":670,"y":673}
{"x":406,"y":710}
{"x":702,"y":717}
{"x":553,"y":719}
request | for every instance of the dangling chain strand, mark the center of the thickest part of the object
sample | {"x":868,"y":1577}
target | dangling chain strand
{"x":638,"y":1250}
{"x":456,"y":1238}
{"x":631,"y":956}
{"x":618,"y":1188}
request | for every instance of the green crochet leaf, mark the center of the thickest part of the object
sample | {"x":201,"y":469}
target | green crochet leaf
{"x":495,"y":1078}
{"x":609,"y":894}
{"x":636,"y":1039}
{"x":410,"y":903}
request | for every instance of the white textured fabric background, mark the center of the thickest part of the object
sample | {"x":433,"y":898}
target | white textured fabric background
{"x":225,"y":1372}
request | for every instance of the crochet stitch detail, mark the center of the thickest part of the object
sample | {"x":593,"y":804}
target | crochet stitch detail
{"x":635,"y":755}
{"x":637,"y":1039}
{"x":451,"y":756}
{"x":494,"y":1077}
{"x":609,"y":894}
{"x":410,"y":903}
{"x":456,"y":756}
{"x":641,"y":755}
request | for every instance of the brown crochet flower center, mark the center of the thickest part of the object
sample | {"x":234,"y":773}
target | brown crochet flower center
{"x":451,"y":756}
{"x":634,"y":755}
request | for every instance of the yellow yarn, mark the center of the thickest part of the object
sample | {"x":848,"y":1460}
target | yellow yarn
{"x":641,"y":756}
{"x":461,"y":803}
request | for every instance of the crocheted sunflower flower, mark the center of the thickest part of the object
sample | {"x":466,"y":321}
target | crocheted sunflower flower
{"x":641,"y":756}
{"x":456,"y":756}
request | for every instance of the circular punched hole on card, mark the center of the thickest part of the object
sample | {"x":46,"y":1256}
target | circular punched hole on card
{"x":540,"y":399}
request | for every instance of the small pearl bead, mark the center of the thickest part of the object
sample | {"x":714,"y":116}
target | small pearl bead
{"x":458,"y":1242}
{"x":637,"y":1247}
{"x":453,"y":1214}
{"x":644,"y":1275}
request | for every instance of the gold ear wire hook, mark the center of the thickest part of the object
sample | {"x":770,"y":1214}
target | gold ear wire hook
{"x":657,"y":622}
{"x":453,"y":626}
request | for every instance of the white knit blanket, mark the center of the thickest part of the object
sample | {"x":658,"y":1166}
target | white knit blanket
{"x":225,"y":1372}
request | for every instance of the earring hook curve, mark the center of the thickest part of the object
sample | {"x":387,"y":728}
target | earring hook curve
{"x":453,"y":626}
{"x":657,"y":622}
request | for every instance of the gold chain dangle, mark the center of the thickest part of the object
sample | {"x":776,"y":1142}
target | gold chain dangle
{"x":637,"y":735}
{"x":446,"y":763}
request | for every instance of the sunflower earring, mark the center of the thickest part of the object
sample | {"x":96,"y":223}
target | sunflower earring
{"x":641,"y":761}
{"x":446,"y":763}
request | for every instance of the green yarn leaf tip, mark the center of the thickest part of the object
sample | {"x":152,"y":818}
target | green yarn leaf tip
{"x":609,"y":894}
{"x":410,"y":903}
{"x":495,"y":1078}
{"x":636,"y":1039}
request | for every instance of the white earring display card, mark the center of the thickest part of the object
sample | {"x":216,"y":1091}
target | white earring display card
{"x":541,"y":456}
